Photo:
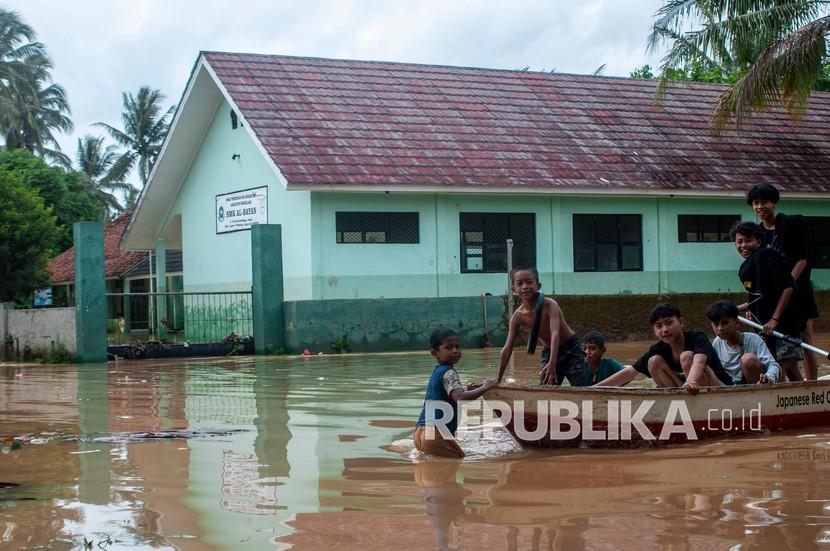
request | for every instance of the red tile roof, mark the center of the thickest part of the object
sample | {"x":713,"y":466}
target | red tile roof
{"x":336,"y":122}
{"x":116,"y":260}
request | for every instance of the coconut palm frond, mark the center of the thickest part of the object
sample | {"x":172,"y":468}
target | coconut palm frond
{"x":785,"y":73}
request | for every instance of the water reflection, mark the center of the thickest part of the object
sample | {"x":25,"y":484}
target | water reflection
{"x":281,"y":452}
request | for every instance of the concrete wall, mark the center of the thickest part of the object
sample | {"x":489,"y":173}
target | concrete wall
{"x":39,"y":328}
{"x":222,"y":262}
{"x":432,"y":267}
{"x":391,"y":324}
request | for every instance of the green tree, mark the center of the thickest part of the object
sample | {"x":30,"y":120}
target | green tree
{"x":62,"y":191}
{"x":145,"y":127}
{"x":102,"y":170}
{"x":32,"y":107}
{"x":776,"y":48}
{"x":27,"y":238}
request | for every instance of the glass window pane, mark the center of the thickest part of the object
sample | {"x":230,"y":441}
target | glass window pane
{"x":709,"y":231}
{"x":470,"y":221}
{"x":375,"y":237}
{"x":607,"y":228}
{"x":584,"y":228}
{"x":521,"y":228}
{"x":607,"y":257}
{"x":686,"y":228}
{"x":496,"y":228}
{"x":352,"y":237}
{"x":348,"y":221}
{"x":630,"y":228}
{"x":495,"y":257}
{"x":475,"y":263}
{"x":403,"y":227}
{"x":472,"y":236}
{"x":524,"y":255}
{"x":584,"y":257}
{"x":631,"y":257}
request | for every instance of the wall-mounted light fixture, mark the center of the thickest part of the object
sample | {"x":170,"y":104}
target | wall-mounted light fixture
{"x":235,"y":156}
{"x":234,"y":119}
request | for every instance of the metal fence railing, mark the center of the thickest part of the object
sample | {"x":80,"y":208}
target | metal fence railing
{"x":177,"y":316}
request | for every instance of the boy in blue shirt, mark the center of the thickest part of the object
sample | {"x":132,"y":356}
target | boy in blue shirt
{"x":604,"y":371}
{"x":444,"y":391}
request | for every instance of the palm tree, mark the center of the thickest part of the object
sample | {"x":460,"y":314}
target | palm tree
{"x":32,"y":107}
{"x":103,"y":171}
{"x":144,"y":129}
{"x":779,"y":48}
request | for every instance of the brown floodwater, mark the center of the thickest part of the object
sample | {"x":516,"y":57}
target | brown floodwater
{"x":313,"y":453}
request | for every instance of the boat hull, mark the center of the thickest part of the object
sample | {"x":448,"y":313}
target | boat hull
{"x":555,"y":417}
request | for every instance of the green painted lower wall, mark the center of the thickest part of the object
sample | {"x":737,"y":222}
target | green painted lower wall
{"x":371,"y":325}
{"x":405,"y":324}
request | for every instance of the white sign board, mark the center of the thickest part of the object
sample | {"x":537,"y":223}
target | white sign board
{"x":239,"y":210}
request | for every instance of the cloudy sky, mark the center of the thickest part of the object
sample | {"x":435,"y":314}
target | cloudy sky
{"x":103,"y":47}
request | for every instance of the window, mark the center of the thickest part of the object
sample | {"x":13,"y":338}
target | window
{"x":484,"y":241}
{"x":607,"y":242}
{"x":377,"y":227}
{"x":820,"y":233}
{"x":705,"y":228}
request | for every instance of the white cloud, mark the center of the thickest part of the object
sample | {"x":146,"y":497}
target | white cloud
{"x":104,"y":47}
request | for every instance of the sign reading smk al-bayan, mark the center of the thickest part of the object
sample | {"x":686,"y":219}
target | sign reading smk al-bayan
{"x":239,"y":210}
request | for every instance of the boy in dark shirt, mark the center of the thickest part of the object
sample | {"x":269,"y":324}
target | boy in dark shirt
{"x":789,"y":235}
{"x":770,"y":289}
{"x":680,"y":358}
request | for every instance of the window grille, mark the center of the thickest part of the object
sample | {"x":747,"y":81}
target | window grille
{"x":607,"y":242}
{"x":484,"y":241}
{"x":377,"y":227}
{"x":705,"y":228}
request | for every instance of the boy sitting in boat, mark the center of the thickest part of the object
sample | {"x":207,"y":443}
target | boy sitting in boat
{"x":680,"y":358}
{"x":770,"y":287}
{"x":444,"y":389}
{"x":744,"y":355}
{"x":604,"y":371}
{"x":562,"y":355}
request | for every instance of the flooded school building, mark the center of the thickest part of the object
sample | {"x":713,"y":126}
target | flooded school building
{"x":395,"y":187}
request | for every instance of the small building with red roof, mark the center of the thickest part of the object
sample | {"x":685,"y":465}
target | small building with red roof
{"x":400,"y":180}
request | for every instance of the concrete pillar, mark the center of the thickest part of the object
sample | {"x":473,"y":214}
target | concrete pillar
{"x":266,"y":264}
{"x":161,"y":287}
{"x":90,"y":297}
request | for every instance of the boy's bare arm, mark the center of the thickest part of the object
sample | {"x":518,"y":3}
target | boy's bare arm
{"x":696,"y":371}
{"x":554,"y":317}
{"x":460,"y":395}
{"x":783,"y":301}
{"x":507,"y":349}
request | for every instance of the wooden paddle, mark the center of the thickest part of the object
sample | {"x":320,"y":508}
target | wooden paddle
{"x":794,"y":340}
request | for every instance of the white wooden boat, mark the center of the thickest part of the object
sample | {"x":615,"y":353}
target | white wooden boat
{"x":551,"y":417}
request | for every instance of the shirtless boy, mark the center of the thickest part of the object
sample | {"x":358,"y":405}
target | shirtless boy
{"x":562,"y":355}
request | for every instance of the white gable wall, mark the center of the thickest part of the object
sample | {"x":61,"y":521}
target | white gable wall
{"x":219,"y":262}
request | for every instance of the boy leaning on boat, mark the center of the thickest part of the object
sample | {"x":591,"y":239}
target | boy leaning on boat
{"x":679,"y":357}
{"x":744,"y":355}
{"x":444,"y":389}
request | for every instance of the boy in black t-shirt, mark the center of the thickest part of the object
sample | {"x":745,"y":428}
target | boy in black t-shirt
{"x":680,"y":358}
{"x":789,"y":235}
{"x":770,"y":289}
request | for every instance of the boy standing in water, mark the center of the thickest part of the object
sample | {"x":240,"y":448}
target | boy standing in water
{"x":562,"y":356}
{"x":444,"y":389}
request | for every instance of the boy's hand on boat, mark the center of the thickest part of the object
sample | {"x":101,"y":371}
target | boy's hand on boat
{"x":489,"y":383}
{"x":764,"y":379}
{"x":691,"y":386}
{"x":548,"y":376}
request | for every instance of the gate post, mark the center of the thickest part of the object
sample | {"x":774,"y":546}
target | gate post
{"x":161,"y":287}
{"x":90,"y":292}
{"x":267,"y":295}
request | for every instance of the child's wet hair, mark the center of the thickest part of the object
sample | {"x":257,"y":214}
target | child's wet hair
{"x":594,"y":337}
{"x":439,"y":336}
{"x":722,"y":309}
{"x":530,"y":269}
{"x":661,"y":311}
{"x":747,"y":229}
{"x":762,"y":192}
